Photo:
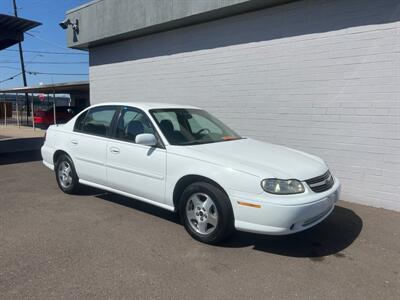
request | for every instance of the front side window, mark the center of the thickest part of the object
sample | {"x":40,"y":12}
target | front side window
{"x":131,"y":123}
{"x":96,"y":121}
{"x":191,"y":127}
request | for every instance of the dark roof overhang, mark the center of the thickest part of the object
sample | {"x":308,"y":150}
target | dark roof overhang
{"x":12,"y":29}
{"x":57,"y":88}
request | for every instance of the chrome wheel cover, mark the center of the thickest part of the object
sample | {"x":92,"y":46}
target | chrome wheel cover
{"x":202,"y":213}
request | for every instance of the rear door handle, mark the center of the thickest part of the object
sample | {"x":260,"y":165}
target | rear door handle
{"x":114,"y":150}
{"x":74,"y":142}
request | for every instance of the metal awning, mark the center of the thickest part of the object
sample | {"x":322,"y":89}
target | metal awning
{"x":57,"y":88}
{"x":12,"y":29}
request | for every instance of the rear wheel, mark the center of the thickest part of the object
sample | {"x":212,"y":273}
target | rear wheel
{"x":66,"y":176}
{"x":206,"y":213}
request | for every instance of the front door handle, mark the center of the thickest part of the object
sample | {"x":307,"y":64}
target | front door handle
{"x":75,"y":142}
{"x":114,"y":150}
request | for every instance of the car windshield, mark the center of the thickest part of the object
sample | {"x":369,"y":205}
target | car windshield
{"x":191,"y":127}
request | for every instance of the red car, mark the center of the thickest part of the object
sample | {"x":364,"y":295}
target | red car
{"x":45,"y":118}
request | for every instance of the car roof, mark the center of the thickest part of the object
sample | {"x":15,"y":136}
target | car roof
{"x":147,"y":105}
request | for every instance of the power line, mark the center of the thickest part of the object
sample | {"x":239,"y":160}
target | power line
{"x":12,"y":68}
{"x":46,"y":41}
{"x":47,"y":62}
{"x":61,"y":74}
{"x":43,"y":73}
{"x":10,"y":78}
{"x":47,"y":52}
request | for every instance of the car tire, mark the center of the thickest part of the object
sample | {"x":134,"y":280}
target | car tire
{"x":206,"y":213}
{"x":66,"y":176}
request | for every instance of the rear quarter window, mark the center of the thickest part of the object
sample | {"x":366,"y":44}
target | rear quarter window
{"x":79,"y":121}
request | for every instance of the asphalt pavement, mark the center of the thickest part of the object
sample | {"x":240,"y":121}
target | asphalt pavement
{"x":100,"y":245}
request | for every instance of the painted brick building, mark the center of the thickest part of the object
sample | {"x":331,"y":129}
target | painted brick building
{"x":322,"y":76}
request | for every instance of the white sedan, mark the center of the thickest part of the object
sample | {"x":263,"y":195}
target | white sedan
{"x":183,"y":159}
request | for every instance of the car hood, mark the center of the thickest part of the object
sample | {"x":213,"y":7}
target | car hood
{"x":258,"y":158}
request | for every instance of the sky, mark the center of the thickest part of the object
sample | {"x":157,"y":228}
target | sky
{"x":49,"y":37}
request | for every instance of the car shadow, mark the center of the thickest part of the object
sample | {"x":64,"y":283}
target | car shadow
{"x":140,"y":205}
{"x":89,"y":191}
{"x":20,"y":157}
{"x":330,"y":237}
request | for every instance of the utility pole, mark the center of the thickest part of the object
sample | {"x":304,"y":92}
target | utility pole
{"x":21,"y":58}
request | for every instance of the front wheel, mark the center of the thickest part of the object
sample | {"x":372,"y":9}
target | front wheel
{"x":66,"y":176}
{"x":206,"y":213}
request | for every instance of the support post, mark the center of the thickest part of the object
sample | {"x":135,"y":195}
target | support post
{"x":32,"y":114}
{"x":5,"y":110}
{"x":54,"y":108}
{"x":21,"y":58}
{"x":17,"y":108}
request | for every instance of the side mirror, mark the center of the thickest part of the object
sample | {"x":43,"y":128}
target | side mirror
{"x":146,"y":139}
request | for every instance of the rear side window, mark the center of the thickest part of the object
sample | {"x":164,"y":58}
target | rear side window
{"x":96,"y":121}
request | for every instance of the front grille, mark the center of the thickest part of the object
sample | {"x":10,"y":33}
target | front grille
{"x":321,"y":183}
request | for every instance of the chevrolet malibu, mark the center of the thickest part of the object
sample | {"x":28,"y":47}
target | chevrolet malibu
{"x":183,"y":159}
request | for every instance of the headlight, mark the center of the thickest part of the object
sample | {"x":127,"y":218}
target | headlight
{"x":282,"y":187}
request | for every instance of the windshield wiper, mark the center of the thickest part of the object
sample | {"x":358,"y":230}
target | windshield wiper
{"x":193,"y":143}
{"x":190,"y":143}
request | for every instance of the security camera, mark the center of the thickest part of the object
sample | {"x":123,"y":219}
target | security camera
{"x":64,"y":24}
{"x":67,"y":22}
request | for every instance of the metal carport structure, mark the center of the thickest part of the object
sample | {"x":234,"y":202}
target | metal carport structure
{"x":71,"y":88}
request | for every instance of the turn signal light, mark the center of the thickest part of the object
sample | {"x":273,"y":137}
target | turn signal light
{"x":249,"y":204}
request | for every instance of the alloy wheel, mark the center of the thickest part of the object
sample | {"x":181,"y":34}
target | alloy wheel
{"x":202,"y":213}
{"x":65,"y":174}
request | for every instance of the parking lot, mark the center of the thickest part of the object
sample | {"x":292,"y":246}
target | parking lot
{"x":101,"y":245}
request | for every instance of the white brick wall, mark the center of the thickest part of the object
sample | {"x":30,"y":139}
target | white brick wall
{"x":319,"y":76}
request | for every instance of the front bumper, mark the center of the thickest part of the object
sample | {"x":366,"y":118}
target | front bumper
{"x":276,"y":217}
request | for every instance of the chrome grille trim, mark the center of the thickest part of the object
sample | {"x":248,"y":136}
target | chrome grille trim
{"x":321,"y":183}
